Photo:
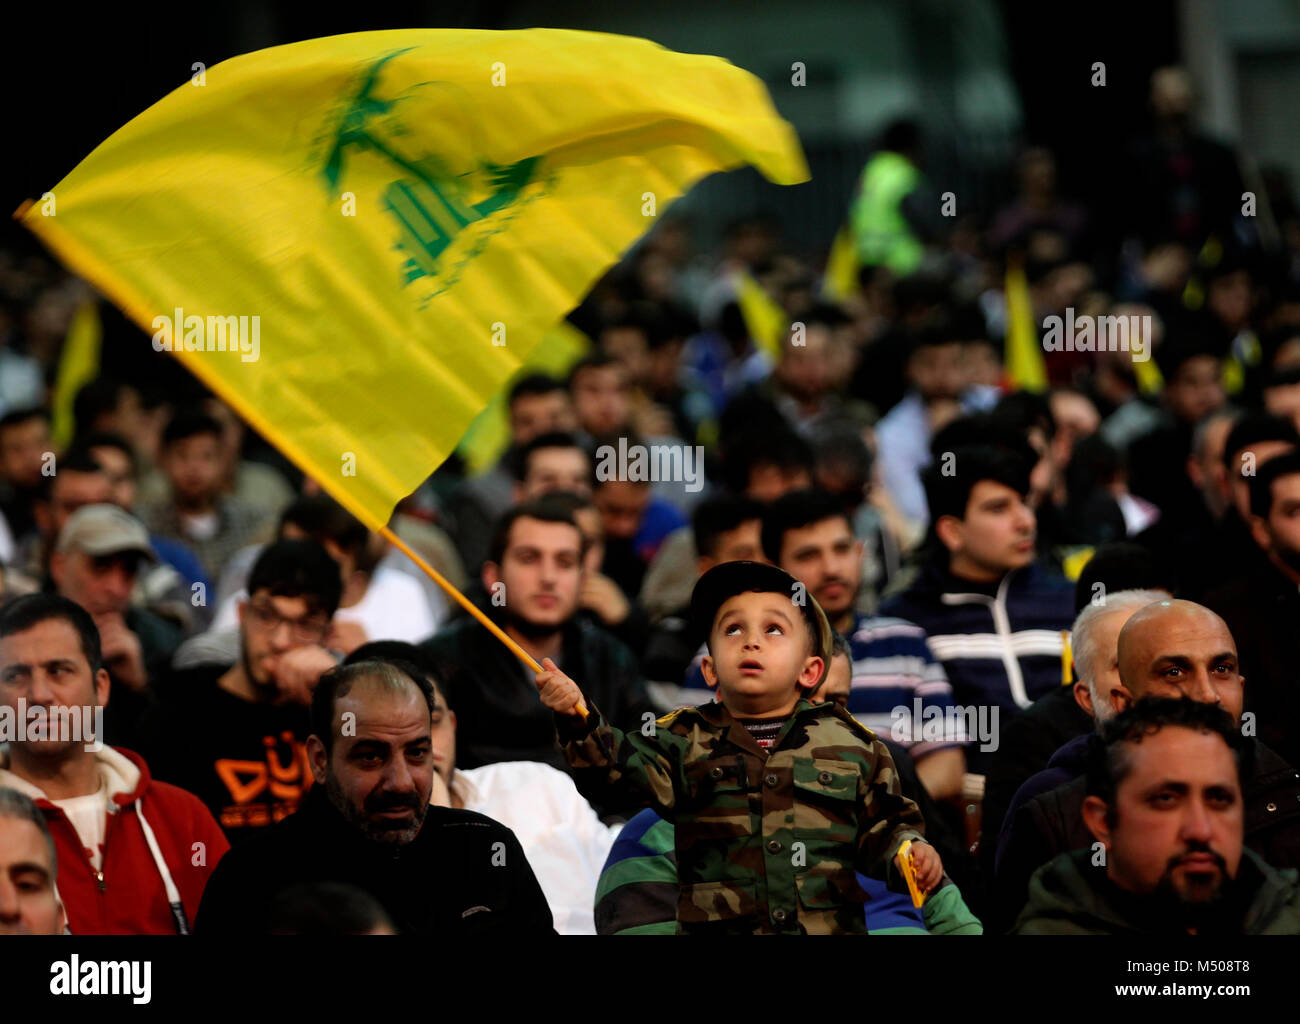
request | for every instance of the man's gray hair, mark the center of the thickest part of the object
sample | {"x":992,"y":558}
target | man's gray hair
{"x":1083,"y":639}
{"x":20,"y":807}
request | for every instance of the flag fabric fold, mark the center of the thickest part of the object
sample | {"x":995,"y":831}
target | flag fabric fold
{"x":357,"y":240}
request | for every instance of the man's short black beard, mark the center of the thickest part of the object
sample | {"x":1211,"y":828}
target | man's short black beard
{"x":849,"y":605}
{"x":1199,"y":914}
{"x":533,"y":630}
{"x":393,"y":838}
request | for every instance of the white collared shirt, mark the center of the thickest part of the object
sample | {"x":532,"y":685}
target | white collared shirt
{"x":565,"y":841}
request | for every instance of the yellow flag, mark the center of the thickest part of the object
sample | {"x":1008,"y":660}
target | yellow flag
{"x":840,"y":281}
{"x":78,"y":364}
{"x":355,"y":241}
{"x":1149,"y":379}
{"x":489,"y":434}
{"x":764,"y":318}
{"x":1026,"y":369}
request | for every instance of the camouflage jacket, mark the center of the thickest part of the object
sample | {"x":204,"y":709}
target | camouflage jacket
{"x":767,"y":841}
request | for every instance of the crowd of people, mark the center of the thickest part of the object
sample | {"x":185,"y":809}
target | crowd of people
{"x":923,"y":622}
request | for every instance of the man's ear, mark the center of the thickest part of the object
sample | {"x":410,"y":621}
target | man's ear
{"x":710,"y":672}
{"x":58,"y":561}
{"x":1094,"y":817}
{"x":703,"y":564}
{"x":517,"y":492}
{"x":1121,"y":699}
{"x":951,"y":532}
{"x":491,"y":575}
{"x":317,"y":758}
{"x":1259,"y":533}
{"x":1083,"y":697}
{"x":102,"y":686}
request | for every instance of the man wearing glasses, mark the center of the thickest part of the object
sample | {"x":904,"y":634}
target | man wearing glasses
{"x":234,"y":735}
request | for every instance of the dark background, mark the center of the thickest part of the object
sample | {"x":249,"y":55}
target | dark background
{"x":73,"y":79}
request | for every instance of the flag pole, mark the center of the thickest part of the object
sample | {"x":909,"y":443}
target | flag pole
{"x":467,"y":604}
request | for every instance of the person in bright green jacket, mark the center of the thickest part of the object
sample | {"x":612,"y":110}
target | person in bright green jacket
{"x":892,"y":216}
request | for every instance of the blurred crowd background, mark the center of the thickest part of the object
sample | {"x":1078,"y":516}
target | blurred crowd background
{"x":976,"y":168}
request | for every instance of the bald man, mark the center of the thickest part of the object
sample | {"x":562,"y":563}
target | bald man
{"x":1167,"y":649}
{"x":1094,"y":641}
{"x":1179,"y":649}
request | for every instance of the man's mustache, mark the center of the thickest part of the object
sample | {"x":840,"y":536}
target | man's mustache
{"x":398,"y":802}
{"x":1195,"y":848}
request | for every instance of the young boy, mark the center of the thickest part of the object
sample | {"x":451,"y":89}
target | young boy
{"x":776,"y":801}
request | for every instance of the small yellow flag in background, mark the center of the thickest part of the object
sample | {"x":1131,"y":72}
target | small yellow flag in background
{"x":78,"y":364}
{"x":1026,"y":367}
{"x":840,"y":280}
{"x":356,"y":241}
{"x":764,"y":317}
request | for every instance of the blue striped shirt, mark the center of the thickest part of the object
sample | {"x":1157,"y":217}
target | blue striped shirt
{"x":893,"y":669}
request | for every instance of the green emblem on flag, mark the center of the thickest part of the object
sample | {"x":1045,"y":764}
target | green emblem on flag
{"x":441,"y":227}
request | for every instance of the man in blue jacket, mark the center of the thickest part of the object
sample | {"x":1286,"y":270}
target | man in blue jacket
{"x":995,"y":617}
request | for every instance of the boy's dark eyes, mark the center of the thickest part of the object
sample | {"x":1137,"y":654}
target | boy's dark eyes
{"x":730,"y":630}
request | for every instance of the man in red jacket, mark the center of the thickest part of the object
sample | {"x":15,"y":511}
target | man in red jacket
{"x":133,"y":854}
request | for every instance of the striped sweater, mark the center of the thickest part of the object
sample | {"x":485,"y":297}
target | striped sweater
{"x":1001,"y":646}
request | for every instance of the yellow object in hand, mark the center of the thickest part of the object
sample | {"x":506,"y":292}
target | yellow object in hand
{"x":909,"y":872}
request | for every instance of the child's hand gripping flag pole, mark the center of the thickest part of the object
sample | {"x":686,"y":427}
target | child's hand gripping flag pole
{"x":356,"y":241}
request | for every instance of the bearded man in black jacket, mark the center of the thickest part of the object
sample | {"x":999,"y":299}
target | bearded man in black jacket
{"x":367,"y":822}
